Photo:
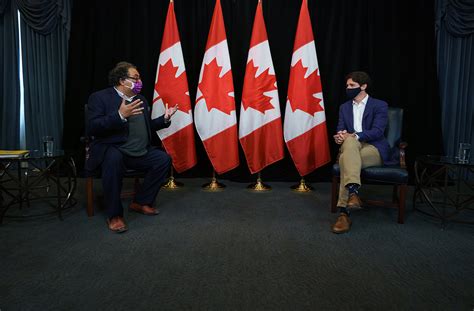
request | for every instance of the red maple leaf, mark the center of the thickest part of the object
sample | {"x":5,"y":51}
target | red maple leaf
{"x":215,"y":89}
{"x":301,"y":90}
{"x":254,"y":87}
{"x":171,"y":89}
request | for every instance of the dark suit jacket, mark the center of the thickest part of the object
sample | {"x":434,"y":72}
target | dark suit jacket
{"x":106,"y":128}
{"x":374,"y":122}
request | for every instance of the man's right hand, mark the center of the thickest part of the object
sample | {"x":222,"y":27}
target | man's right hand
{"x":340,"y":137}
{"x":132,"y":109}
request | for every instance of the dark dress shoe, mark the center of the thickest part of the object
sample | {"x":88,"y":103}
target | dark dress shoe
{"x":354,"y":202}
{"x":143,"y":209}
{"x":116,"y":224}
{"x":343,"y":224}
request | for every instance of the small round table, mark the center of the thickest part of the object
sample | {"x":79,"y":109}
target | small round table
{"x":50,"y":179}
{"x":444,"y":188}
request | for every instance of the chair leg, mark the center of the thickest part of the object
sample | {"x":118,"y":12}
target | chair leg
{"x":90,"y":196}
{"x":401,"y":203}
{"x":334,"y":190}
{"x":136,"y":185}
{"x":395,"y":196}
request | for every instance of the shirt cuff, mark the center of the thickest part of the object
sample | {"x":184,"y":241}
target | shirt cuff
{"x":356,"y":136}
{"x":121,"y":117}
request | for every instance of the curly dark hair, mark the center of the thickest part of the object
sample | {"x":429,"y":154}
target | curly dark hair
{"x":360,"y":77}
{"x":119,"y":72}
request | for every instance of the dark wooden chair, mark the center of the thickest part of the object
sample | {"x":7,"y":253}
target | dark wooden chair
{"x":395,"y":176}
{"x":90,"y":176}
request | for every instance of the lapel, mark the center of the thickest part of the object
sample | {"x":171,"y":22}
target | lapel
{"x":146,"y":115}
{"x":116,"y":100}
{"x":367,"y":112}
{"x":350,"y":119}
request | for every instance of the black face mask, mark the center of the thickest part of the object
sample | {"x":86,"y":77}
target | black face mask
{"x":352,"y":93}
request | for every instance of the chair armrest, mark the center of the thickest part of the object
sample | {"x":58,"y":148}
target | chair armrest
{"x":86,"y":141}
{"x":403,"y":145}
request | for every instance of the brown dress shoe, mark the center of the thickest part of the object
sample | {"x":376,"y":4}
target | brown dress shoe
{"x":116,"y":224}
{"x":143,"y":209}
{"x":343,"y":224}
{"x":354,"y":202}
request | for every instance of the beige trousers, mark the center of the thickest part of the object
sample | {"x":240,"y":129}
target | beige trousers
{"x":354,"y":157}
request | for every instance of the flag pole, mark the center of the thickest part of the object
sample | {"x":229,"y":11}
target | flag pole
{"x":259,"y":185}
{"x":214,"y":185}
{"x":172,"y":183}
{"x":302,"y":186}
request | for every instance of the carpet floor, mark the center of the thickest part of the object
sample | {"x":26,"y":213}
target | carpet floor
{"x":237,"y":250}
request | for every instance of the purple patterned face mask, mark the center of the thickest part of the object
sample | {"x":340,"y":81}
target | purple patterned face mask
{"x":136,"y":86}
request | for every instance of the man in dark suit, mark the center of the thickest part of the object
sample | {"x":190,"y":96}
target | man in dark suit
{"x":360,"y":132}
{"x":120,"y":124}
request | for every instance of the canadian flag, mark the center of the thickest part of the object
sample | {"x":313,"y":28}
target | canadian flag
{"x":305,"y":120}
{"x":260,"y":130}
{"x":215,"y":115}
{"x":171,"y":87}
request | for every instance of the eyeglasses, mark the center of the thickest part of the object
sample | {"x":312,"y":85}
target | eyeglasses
{"x":134,"y":78}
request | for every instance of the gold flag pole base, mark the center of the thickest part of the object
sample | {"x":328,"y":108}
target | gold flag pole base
{"x":259,"y":185}
{"x":214,"y":185}
{"x":302,"y":187}
{"x":172,"y":184}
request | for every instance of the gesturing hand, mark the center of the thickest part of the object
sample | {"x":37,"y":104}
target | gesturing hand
{"x":132,"y":109}
{"x":169,"y":112}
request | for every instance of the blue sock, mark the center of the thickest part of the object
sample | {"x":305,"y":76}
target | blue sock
{"x":353,"y":188}
{"x":344,"y":210}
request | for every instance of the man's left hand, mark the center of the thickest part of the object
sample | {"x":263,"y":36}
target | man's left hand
{"x":169,"y":112}
{"x":345,"y":135}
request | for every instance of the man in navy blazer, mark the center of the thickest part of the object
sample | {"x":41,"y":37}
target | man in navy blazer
{"x":121,"y":128}
{"x":360,"y":132}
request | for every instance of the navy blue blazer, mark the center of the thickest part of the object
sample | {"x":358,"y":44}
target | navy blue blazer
{"x":374,"y":122}
{"x":106,"y":128}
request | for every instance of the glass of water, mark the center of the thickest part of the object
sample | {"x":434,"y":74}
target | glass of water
{"x":464,"y":152}
{"x":48,"y":145}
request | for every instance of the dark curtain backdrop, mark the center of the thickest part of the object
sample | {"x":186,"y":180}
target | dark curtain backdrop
{"x":45,"y":26}
{"x":9,"y":83}
{"x":455,"y":52}
{"x":45,"y":31}
{"x":393,"y":42}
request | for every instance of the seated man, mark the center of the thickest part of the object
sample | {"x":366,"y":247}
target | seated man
{"x":360,"y":132}
{"x":120,"y":124}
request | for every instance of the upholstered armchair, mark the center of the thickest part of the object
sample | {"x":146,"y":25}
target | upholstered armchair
{"x":395,"y":176}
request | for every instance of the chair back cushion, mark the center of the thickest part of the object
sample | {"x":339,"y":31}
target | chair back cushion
{"x":393,"y":132}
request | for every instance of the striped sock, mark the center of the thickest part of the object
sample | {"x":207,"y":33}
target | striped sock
{"x":353,"y":188}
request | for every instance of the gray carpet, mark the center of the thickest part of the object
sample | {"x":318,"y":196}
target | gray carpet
{"x":237,"y":250}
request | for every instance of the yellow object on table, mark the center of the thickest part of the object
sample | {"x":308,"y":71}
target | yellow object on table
{"x":13,"y":153}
